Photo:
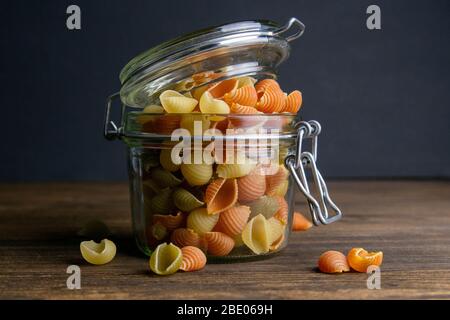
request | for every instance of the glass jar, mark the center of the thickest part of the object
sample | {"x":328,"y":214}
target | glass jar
{"x":205,"y":170}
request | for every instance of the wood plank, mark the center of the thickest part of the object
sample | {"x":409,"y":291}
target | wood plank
{"x":408,"y":220}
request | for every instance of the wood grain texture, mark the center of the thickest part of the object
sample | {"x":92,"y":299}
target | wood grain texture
{"x":408,"y":220}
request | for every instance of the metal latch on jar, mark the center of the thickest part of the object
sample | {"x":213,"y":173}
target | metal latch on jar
{"x":319,"y":208}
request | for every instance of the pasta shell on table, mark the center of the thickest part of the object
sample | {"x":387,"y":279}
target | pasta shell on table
{"x":164,"y":178}
{"x":174,"y":102}
{"x":220,"y":89}
{"x":246,"y":81}
{"x":201,"y":222}
{"x":193,"y":259}
{"x":170,"y":222}
{"x":283,"y":210}
{"x":246,"y":96}
{"x":186,"y":201}
{"x":293,"y":102}
{"x":251,"y":186}
{"x":266,"y":206}
{"x":208,"y":104}
{"x":275,"y":229}
{"x":333,"y":262}
{"x":197,"y":174}
{"x":300,"y":223}
{"x":271,"y":100}
{"x":162,"y":202}
{"x":232,"y":221}
{"x":183,"y":237}
{"x":166,"y":259}
{"x":273,"y":182}
{"x":221,"y":194}
{"x":360,"y":259}
{"x":98,"y":253}
{"x":165,"y":159}
{"x":235,"y":170}
{"x":256,"y":235}
{"x":219,"y":244}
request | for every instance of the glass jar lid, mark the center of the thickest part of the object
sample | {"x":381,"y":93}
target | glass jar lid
{"x":255,"y":46}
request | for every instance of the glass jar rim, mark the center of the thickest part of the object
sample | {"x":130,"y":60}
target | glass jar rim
{"x":197,"y":42}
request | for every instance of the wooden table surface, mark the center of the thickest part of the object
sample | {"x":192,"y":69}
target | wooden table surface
{"x":408,"y":220}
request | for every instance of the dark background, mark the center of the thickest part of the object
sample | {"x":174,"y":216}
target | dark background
{"x":382,"y":96}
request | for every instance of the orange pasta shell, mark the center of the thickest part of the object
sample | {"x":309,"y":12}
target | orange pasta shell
{"x":171,"y":222}
{"x":183,"y":237}
{"x":251,"y":187}
{"x":360,"y":259}
{"x":232,"y":221}
{"x":262,"y":85}
{"x":221,"y":194}
{"x":283,"y":210}
{"x":333,"y":262}
{"x":193,"y":259}
{"x":272,"y":100}
{"x":245,"y":96}
{"x":300,"y":223}
{"x":218,"y":90}
{"x":219,"y":244}
{"x":293,"y":102}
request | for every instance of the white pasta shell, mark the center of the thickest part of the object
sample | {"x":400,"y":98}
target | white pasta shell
{"x":175,"y":102}
{"x":201,"y":222}
{"x":197,"y":174}
{"x":256,"y":235}
{"x":275,"y":229}
{"x":210,"y":105}
{"x":98,"y":253}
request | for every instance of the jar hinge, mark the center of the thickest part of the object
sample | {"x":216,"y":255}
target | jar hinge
{"x":110,"y":130}
{"x":302,"y":160}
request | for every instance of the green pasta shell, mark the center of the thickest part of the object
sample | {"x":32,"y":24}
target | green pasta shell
{"x":267,"y":206}
{"x":166,"y":259}
{"x":164,"y":178}
{"x":162,"y":203}
{"x":186,"y":201}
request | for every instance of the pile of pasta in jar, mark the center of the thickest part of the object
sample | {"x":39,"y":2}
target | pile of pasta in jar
{"x":216,"y":208}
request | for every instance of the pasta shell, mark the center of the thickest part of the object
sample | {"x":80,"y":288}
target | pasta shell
{"x":220,"y":89}
{"x":198,"y":92}
{"x":246,"y":81}
{"x":265,"y":84}
{"x":157,"y":232}
{"x":276,"y":180}
{"x":169,"y":221}
{"x":193,"y":259}
{"x":166,"y":259}
{"x":200,"y":221}
{"x":162,"y":202}
{"x":98,"y":253}
{"x":243,"y":109}
{"x":272,"y":100}
{"x":174,"y":102}
{"x":221,"y":194}
{"x":275,"y":229}
{"x":153,"y":108}
{"x":186,"y":201}
{"x":197,"y":174}
{"x":232,"y":221}
{"x":359,"y":259}
{"x":208,"y":104}
{"x":235,"y":170}
{"x":293,"y":102}
{"x":283,"y":210}
{"x":239,"y":118}
{"x":219,"y":244}
{"x":251,"y":187}
{"x":333,"y":262}
{"x":300,"y":223}
{"x":164,"y":178}
{"x":256,"y":235}
{"x":281,"y":190}
{"x":183,"y":237}
{"x":266,"y":206}
{"x":244,"y":96}
{"x":277,"y":244}
{"x":165,"y":159}
{"x":196,"y":124}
